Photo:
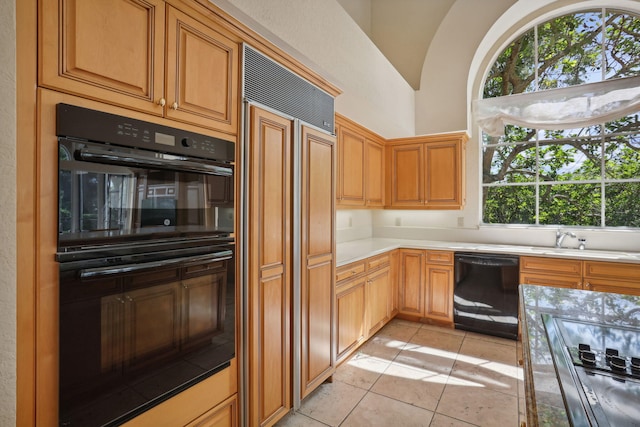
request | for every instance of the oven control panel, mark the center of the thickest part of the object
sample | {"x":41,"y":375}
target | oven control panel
{"x":98,"y":126}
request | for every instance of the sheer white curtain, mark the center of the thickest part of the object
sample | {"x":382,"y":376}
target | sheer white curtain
{"x":563,"y":108}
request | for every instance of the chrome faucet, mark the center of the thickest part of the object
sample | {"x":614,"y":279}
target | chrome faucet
{"x":560,"y":235}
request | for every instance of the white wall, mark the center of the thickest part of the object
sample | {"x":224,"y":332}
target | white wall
{"x":441,"y":102}
{"x":8,"y":214}
{"x":321,"y":31}
{"x":360,"y":11}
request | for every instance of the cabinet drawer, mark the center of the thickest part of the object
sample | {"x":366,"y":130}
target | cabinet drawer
{"x":439,"y":257}
{"x":377,"y":262}
{"x":558,"y":281}
{"x":350,"y":270}
{"x":617,"y":270}
{"x":550,"y":265}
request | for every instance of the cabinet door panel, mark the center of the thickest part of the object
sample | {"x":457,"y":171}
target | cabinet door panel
{"x":318,"y":271}
{"x":378,"y":301}
{"x":612,"y":285}
{"x":556,"y":281}
{"x":439,"y":303}
{"x":412,"y":282}
{"x":269,"y":265}
{"x":223,"y":415}
{"x":374,"y":166}
{"x":350,"y":317}
{"x":351,"y":159}
{"x":443,"y":175}
{"x":112,"y":51}
{"x":202,"y":74}
{"x":407,"y":175}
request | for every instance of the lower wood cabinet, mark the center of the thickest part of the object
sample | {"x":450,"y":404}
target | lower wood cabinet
{"x":616,"y":277}
{"x":613,"y":277}
{"x":378,"y":298}
{"x":412,"y":270}
{"x":223,"y":415}
{"x":364,"y":300}
{"x":439,"y":286}
{"x":350,"y":316}
{"x":426,"y":285}
{"x":559,"y":273}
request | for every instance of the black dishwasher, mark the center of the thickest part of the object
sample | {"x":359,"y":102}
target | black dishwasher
{"x":485,"y":295}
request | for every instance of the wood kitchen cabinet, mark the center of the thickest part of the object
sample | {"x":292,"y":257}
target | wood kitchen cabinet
{"x":350,"y":311}
{"x":269,"y":262}
{"x":439,"y":286}
{"x":223,"y":415}
{"x":364,"y":297}
{"x":378,"y":293}
{"x":426,"y":172}
{"x":143,"y":55}
{"x":317,"y":360}
{"x":271,"y":259}
{"x":616,"y":277}
{"x":412,"y":280}
{"x":426,"y":285}
{"x":556,"y":272}
{"x":361,"y":165}
{"x":394,"y":265}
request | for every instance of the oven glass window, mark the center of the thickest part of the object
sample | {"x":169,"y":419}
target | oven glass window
{"x":106,"y":200}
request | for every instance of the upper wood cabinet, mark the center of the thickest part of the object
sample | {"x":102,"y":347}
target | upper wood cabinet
{"x":360,"y":165}
{"x":144,"y":55}
{"x":426,"y":172}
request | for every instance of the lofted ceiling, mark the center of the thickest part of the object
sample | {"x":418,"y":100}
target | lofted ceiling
{"x":401,"y":29}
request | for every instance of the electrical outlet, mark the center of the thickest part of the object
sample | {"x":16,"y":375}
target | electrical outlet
{"x":460,"y":221}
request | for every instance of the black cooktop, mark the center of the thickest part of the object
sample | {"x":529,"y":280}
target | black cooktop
{"x":599,"y":370}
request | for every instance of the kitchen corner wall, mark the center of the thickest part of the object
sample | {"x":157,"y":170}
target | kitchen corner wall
{"x":8,"y":213}
{"x":354,"y":224}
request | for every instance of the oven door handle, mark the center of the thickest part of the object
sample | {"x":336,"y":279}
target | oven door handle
{"x":132,"y":159}
{"x":89,"y":273}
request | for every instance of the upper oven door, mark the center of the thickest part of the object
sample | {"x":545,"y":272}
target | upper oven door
{"x":110,"y":194}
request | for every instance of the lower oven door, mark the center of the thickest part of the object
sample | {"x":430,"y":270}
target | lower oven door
{"x":133,"y":335}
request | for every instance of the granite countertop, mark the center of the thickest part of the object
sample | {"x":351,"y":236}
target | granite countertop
{"x":357,"y":250}
{"x":545,"y":405}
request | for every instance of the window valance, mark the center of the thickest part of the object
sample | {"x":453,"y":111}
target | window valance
{"x":563,"y":108}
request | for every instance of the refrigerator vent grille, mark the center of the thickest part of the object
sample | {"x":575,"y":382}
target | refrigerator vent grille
{"x":270,"y":84}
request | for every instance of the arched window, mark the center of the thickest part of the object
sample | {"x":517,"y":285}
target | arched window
{"x":582,"y":176}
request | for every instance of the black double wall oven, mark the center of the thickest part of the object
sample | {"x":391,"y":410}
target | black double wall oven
{"x":146,"y":253}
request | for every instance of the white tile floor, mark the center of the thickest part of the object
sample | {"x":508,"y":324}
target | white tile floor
{"x":410,"y":374}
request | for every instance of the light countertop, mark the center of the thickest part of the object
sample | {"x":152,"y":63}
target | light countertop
{"x":357,"y":250}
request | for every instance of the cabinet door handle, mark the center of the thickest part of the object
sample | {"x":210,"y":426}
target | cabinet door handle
{"x":162,"y":102}
{"x":174,"y":106}
{"x":587,"y":285}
